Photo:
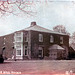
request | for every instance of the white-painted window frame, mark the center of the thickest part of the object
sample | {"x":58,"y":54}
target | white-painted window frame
{"x":17,"y":53}
{"x":40,"y":37}
{"x":51,"y":39}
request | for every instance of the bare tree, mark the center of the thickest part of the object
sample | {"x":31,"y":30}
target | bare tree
{"x":60,"y":29}
{"x":73,"y":35}
{"x":15,"y":7}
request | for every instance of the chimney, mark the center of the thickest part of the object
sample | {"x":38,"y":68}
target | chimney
{"x":33,"y":23}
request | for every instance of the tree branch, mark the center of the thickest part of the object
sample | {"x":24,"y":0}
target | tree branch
{"x":8,"y":6}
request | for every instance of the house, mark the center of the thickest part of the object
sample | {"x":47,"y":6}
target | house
{"x":35,"y":42}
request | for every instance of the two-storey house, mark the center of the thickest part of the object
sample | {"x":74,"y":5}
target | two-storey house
{"x":36,"y":42}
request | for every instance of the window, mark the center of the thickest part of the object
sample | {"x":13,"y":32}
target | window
{"x":18,"y":52}
{"x":18,"y":38}
{"x":40,"y":52}
{"x":26,"y":50}
{"x":61,"y":40}
{"x":40,"y":38}
{"x":51,"y":39}
{"x":18,"y":45}
{"x":18,"y":34}
{"x":26,"y":38}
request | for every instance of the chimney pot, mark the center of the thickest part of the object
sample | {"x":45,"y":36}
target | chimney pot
{"x":33,"y":23}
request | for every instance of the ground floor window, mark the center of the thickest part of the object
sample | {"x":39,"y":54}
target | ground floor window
{"x":18,"y":52}
{"x":26,"y":50}
{"x":40,"y":53}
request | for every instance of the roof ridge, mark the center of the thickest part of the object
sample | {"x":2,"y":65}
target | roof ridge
{"x":42,"y":29}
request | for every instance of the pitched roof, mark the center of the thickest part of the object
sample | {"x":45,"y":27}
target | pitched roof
{"x":55,"y":46}
{"x":41,"y":29}
{"x":38,"y":28}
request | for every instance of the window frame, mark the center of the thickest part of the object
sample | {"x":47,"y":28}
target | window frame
{"x":61,"y":39}
{"x":18,"y":39}
{"x":17,"y":53}
{"x":51,"y":39}
{"x":18,"y":45}
{"x":26,"y":38}
{"x":18,"y":34}
{"x":40,"y":37}
{"x":40,"y":49}
{"x":25,"y":50}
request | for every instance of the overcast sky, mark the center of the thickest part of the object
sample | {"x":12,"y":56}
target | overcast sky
{"x":47,"y":14}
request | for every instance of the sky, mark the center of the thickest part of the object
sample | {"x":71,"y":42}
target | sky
{"x":46,"y":14}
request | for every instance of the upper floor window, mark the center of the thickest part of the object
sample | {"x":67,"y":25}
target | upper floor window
{"x":51,"y":39}
{"x":18,"y":45}
{"x":18,"y":38}
{"x":18,"y":34}
{"x":61,"y":40}
{"x":40,"y":37}
{"x":26,"y":38}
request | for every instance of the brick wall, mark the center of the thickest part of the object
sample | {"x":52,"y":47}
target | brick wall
{"x":46,"y":42}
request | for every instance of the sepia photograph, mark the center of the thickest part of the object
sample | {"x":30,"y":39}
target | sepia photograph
{"x":37,"y":37}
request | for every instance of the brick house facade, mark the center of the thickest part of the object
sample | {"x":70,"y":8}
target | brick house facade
{"x":35,"y":42}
